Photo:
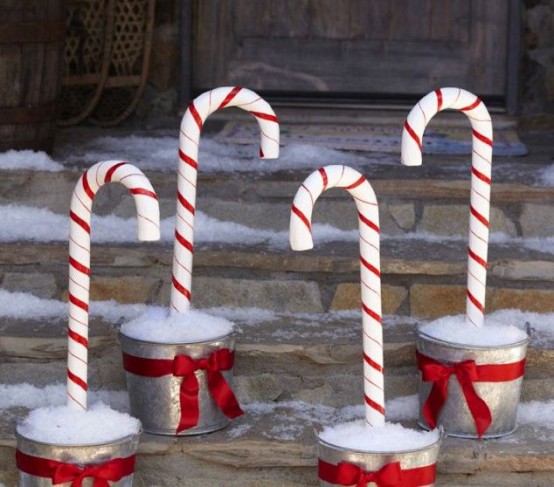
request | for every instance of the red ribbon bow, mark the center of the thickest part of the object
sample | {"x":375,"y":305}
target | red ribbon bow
{"x":185,"y":366}
{"x":467,"y":372}
{"x":60,"y":472}
{"x":390,"y":475}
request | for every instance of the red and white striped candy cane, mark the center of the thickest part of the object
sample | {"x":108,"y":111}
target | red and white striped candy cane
{"x":481,"y":165}
{"x":370,"y":268}
{"x":148,"y":215}
{"x":189,"y":140}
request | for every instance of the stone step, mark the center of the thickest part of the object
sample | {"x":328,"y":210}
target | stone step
{"x":424,"y":205}
{"x":419,"y":278}
{"x":274,"y":445}
{"x":308,"y":357}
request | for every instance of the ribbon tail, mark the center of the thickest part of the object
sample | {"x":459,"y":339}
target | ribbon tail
{"x":435,"y":402}
{"x":478,"y":407}
{"x":188,"y":397}
{"x":223,"y":394}
{"x":98,"y":482}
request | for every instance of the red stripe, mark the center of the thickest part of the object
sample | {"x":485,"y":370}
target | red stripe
{"x":301,"y":215}
{"x":476,"y":303}
{"x":476,"y":258}
{"x":439,"y":99}
{"x":79,"y":221}
{"x":111,"y":170}
{"x":77,"y":338}
{"x":265,"y":116}
{"x":369,"y":223}
{"x":371,"y":403}
{"x":371,"y":313}
{"x":372,"y":363}
{"x":413,"y":135}
{"x":80,"y":382}
{"x":480,"y":176}
{"x":230,"y":96}
{"x":189,"y":160}
{"x":196,"y":116}
{"x":481,"y":137}
{"x":86,"y":186}
{"x":184,"y":242}
{"x":78,"y":302}
{"x":479,"y":217}
{"x":472,"y":106}
{"x":80,"y":267}
{"x":356,"y":184}
{"x":182,"y":289}
{"x":144,"y":192}
{"x":324,"y":177}
{"x":185,"y":203}
{"x":369,"y":267}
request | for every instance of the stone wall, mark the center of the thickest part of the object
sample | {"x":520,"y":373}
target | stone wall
{"x":536,"y":105}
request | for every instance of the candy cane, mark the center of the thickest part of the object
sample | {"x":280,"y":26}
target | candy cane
{"x":189,"y":140}
{"x":79,"y":257}
{"x":368,"y":216}
{"x":481,"y":164}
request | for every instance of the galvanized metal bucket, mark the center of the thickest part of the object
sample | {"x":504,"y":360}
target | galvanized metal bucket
{"x":78,"y":455}
{"x":502,"y":398}
{"x":156,"y":400}
{"x":374,"y":461}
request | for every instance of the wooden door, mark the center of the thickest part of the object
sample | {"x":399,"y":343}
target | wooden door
{"x":395,"y":49}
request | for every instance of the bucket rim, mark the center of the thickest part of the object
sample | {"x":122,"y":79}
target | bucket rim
{"x":464,"y":346}
{"x":122,"y":439}
{"x":199,"y":342}
{"x":438,"y":442}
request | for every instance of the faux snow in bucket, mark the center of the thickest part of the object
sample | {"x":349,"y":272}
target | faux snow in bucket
{"x":470,"y":374}
{"x":75,"y":445}
{"x":368,"y":451}
{"x":179,"y":365}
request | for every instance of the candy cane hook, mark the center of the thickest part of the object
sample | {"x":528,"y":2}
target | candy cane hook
{"x":148,"y":217}
{"x":189,"y":140}
{"x":370,"y":268}
{"x":481,"y":165}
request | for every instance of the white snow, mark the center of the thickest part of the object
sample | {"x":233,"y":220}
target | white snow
{"x":25,"y":306}
{"x":546,"y":176}
{"x":160,"y":154}
{"x":159,"y":326}
{"x":245,"y":315}
{"x":19,"y":305}
{"x":355,"y":435}
{"x":454,"y":329}
{"x":64,"y":425}
{"x":403,"y":407}
{"x":541,"y":244}
{"x":28,"y":159}
{"x":39,"y":224}
{"x":31,"y":397}
{"x":536,"y":413}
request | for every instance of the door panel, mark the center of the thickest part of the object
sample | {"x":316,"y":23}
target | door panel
{"x":359,"y":47}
